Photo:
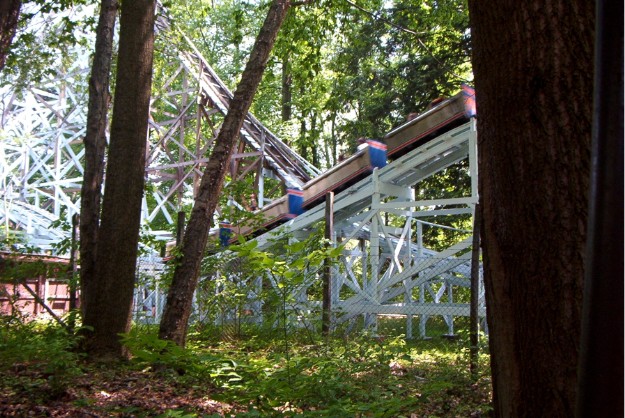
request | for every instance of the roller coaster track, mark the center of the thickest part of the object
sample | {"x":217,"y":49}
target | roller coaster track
{"x":386,"y":269}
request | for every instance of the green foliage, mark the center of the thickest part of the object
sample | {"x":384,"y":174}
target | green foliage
{"x":148,"y":350}
{"x":276,"y":272}
{"x":360,"y":376}
{"x":357,"y":376}
{"x":49,"y":33}
{"x":348,"y":70}
{"x":176,"y":414}
{"x":44,"y":354}
{"x":63,"y":223}
{"x":13,"y":241}
{"x":147,"y":240}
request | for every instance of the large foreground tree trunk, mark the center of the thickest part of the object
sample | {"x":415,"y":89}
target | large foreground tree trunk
{"x":95,"y":145}
{"x":174,"y":322}
{"x":9,"y":15}
{"x":110,"y":312}
{"x":533,"y":66}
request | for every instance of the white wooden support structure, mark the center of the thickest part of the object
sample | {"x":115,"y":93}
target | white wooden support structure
{"x":42,"y":128}
{"x":386,"y":270}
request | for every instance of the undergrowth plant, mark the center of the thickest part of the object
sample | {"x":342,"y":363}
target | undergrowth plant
{"x":148,"y":351}
{"x":351,"y":376}
{"x":44,"y":350}
{"x":359,"y":376}
{"x":275,"y":286}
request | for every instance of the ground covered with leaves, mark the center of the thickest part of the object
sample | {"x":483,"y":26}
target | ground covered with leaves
{"x":42,"y":374}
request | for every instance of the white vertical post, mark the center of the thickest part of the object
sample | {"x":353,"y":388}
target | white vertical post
{"x":450,"y":324}
{"x":260,"y":199}
{"x":422,"y":318}
{"x":374,"y":248}
{"x":326,"y":321}
{"x":261,"y":189}
{"x":157,"y":303}
{"x":336,"y":285}
{"x":473,"y":159}
{"x":408,"y":259}
{"x":24,"y":180}
{"x":364,"y":262}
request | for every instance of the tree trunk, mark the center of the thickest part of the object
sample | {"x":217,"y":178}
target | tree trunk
{"x":287,"y":81}
{"x":534,"y":78}
{"x":314,"y":143}
{"x":9,"y":14}
{"x":95,"y":144}
{"x":301,"y":143}
{"x":110,"y":312}
{"x":174,"y":322}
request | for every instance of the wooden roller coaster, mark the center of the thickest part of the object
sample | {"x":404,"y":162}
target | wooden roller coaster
{"x":441,"y":118}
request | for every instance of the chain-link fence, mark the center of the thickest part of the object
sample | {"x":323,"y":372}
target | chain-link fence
{"x":150,"y":292}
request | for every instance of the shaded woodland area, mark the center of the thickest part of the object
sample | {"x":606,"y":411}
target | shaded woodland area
{"x":549,"y":93}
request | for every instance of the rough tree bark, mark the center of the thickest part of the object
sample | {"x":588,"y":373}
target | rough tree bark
{"x":110,"y":311}
{"x":174,"y":322}
{"x":287,"y":96}
{"x":95,"y":144}
{"x":533,"y":67}
{"x":9,"y":15}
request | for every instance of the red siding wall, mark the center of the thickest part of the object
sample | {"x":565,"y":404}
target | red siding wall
{"x":50,"y":283}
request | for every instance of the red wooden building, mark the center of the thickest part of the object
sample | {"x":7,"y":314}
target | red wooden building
{"x":29,"y":281}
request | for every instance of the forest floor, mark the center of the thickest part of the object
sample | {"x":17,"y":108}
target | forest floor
{"x":103,"y":391}
{"x":42,"y":374}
